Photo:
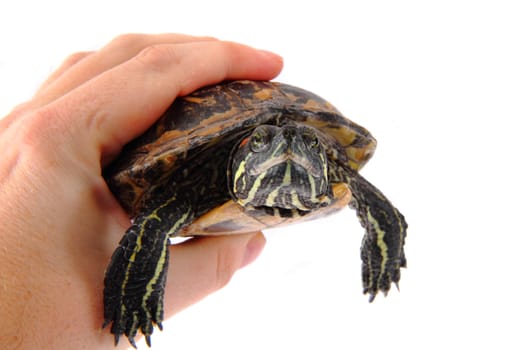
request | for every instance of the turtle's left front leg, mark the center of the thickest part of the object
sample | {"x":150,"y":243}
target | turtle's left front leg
{"x":382,"y":250}
{"x":136,"y":276}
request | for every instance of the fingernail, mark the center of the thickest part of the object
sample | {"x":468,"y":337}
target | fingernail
{"x":253,"y":249}
{"x":271,"y":55}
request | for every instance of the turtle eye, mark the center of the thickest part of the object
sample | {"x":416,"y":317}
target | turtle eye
{"x":314,"y":142}
{"x":311,"y":139}
{"x":259,"y":140}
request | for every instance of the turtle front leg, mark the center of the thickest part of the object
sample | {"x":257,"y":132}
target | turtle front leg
{"x":136,"y":276}
{"x":382,"y":250}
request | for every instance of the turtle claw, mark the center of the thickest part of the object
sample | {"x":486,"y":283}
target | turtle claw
{"x":117,"y":336}
{"x":132,"y":342}
{"x":371,"y":297}
{"x":396,"y":283}
{"x":379,"y":281}
{"x":129,"y":326}
{"x":129,"y":321}
{"x":378,"y":272}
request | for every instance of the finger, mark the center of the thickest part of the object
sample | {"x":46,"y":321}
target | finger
{"x":201,"y":266}
{"x":115,"y":107}
{"x":79,"y":68}
{"x":22,"y":108}
{"x":64,"y":67}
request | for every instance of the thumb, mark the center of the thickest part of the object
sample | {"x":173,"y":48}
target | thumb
{"x":201,"y":266}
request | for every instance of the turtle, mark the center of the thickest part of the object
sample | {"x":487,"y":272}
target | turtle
{"x":238,"y":157}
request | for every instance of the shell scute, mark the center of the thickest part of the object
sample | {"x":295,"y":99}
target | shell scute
{"x":198,"y":120}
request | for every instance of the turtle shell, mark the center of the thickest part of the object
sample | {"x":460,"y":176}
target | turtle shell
{"x":201,"y":119}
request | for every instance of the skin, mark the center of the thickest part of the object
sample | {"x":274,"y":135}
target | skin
{"x":60,"y":223}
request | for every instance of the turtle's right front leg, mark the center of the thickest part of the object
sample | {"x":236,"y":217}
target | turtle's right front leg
{"x":136,"y":276}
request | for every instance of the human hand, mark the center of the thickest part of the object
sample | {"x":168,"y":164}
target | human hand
{"x":59,"y":222}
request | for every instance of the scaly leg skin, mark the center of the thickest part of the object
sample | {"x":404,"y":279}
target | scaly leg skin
{"x":382,"y":247}
{"x":136,"y":276}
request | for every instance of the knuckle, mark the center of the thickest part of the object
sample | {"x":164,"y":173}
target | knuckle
{"x":222,"y":50}
{"x":127,"y":40}
{"x":16,"y":113}
{"x":33,"y":127}
{"x":23,"y":139}
{"x":158,"y":56}
{"x":227,"y":57}
{"x":207,"y":38}
{"x":40,"y":126}
{"x":229,"y":49}
{"x":76,"y":57}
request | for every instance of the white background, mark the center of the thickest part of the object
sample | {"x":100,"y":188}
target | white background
{"x":440,"y":84}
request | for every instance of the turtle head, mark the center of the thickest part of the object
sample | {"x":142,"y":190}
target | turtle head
{"x":280,"y":167}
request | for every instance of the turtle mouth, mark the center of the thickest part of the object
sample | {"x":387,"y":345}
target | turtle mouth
{"x":303,"y":162}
